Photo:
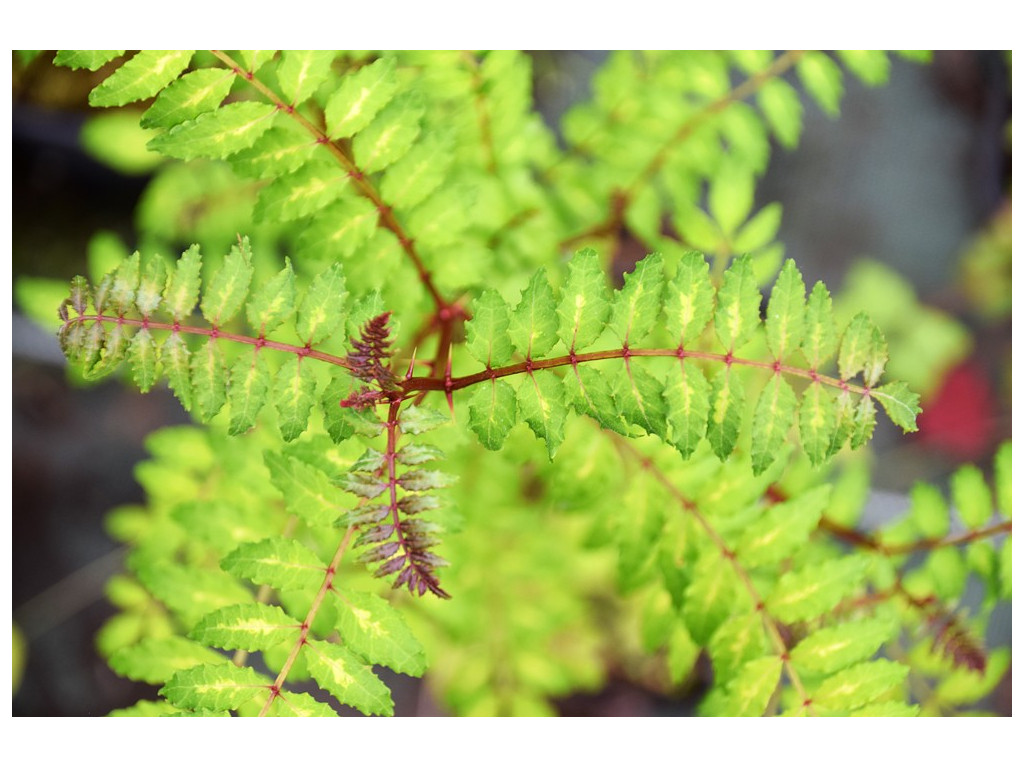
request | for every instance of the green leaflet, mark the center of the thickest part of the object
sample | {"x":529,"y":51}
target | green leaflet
{"x":308,"y":492}
{"x":214,"y":687}
{"x":248,"y":627}
{"x":888,"y":709}
{"x":760,"y":230}
{"x":781,"y":106}
{"x":492,"y":412}
{"x":773,"y":416}
{"x":183,"y":285}
{"x":487,"y":337}
{"x":737,"y":313}
{"x":191,"y":592}
{"x":360,"y":97}
{"x":542,"y":406}
{"x":863,"y":420}
{"x":947,"y":571}
{"x":229,"y":287}
{"x":141,"y":77}
{"x":862,"y":349}
{"x":293,"y":393}
{"x":250,"y":386}
{"x":188,"y":97}
{"x":739,"y":639}
{"x":142,"y":352}
{"x":322,"y":308}
{"x":91,"y":60}
{"x":279,"y":563}
{"x":818,"y":419}
{"x":929,"y":511}
{"x":870,"y":66}
{"x":814,"y":589}
{"x":823,"y":80}
{"x":731,"y":195}
{"x":415,"y":420}
{"x":338,"y":671}
{"x":833,"y":648}
{"x":154,"y":660}
{"x":784,"y":325}
{"x":710,"y":596}
{"x":293,"y":704}
{"x":274,"y":303}
{"x":304,"y":192}
{"x":584,"y":305}
{"x":126,"y":283}
{"x":1003,"y":469}
{"x":533,"y":326}
{"x":859,"y":685}
{"x":971,"y":496}
{"x":217,"y":134}
{"x":687,"y":405}
{"x":174,"y":356}
{"x":751,"y":689}
{"x":342,"y":228}
{"x":409,"y":181}
{"x":209,"y":380}
{"x":253,"y":60}
{"x":690,"y":299}
{"x":390,"y":135}
{"x":300,"y":73}
{"x":725,"y":413}
{"x":638,"y":522}
{"x":782,"y":529}
{"x":590,"y":394}
{"x":371,"y":627}
{"x":635,"y":308}
{"x":900,"y":403}
{"x":152,"y":280}
{"x":639,"y":400}
{"x":820,"y":334}
{"x":278,"y":151}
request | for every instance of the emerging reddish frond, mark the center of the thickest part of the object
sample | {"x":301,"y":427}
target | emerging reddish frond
{"x":370,"y":353}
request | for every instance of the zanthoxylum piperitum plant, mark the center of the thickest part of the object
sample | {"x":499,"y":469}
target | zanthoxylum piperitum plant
{"x":370,"y":408}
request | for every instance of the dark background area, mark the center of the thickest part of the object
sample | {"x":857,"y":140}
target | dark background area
{"x":908,"y":175}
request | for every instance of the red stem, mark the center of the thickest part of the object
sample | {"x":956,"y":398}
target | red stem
{"x":216,"y":333}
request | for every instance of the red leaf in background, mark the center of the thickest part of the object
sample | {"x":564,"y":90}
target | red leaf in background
{"x":959,"y":419}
